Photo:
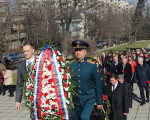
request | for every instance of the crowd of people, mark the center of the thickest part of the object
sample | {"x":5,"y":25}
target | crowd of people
{"x":125,"y":69}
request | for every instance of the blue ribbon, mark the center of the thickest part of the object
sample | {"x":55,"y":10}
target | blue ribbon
{"x":47,"y":47}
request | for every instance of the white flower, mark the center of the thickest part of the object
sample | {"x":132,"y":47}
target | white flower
{"x":69,"y":94}
{"x":62,"y":71}
{"x":59,"y":53}
{"x":67,"y":101}
{"x":66,"y":89}
{"x":27,"y":93}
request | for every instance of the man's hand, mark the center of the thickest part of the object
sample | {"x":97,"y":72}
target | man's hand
{"x":125,"y":114}
{"x":129,"y":109}
{"x":17,"y":107}
{"x":99,"y":106}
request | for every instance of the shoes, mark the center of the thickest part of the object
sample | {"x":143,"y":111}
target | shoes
{"x":11,"y":95}
{"x":143,"y":103}
{"x":4,"y":93}
{"x":147,"y":101}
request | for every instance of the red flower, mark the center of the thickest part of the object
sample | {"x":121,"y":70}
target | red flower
{"x":65,"y":77}
{"x":44,"y":114}
{"x":56,"y":52}
{"x":104,"y":97}
{"x":32,"y":67}
{"x":148,"y":82}
{"x":123,"y":71}
{"x":59,"y":69}
{"x":108,"y":73}
{"x":30,"y":87}
{"x":32,"y":76}
{"x":39,"y":52}
{"x":50,"y":81}
{"x":65,"y":84}
{"x":45,"y":84}
{"x":49,"y":68}
{"x":51,"y":91}
{"x":57,"y":113}
{"x":53,"y":86}
{"x":31,"y":98}
{"x":35,"y":59}
{"x":55,"y":100}
{"x":47,"y":102}
{"x":60,"y":59}
{"x":68,"y":70}
{"x":53,"y":106}
{"x":65,"y":94}
{"x":46,"y":108}
{"x":45,"y":94}
{"x":45,"y":77}
{"x":52,"y":114}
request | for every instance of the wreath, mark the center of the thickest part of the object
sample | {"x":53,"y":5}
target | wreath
{"x":48,"y":86}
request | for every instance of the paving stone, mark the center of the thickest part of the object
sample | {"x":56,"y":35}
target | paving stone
{"x":142,"y":116}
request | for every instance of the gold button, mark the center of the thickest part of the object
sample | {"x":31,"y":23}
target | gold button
{"x":78,"y":75}
{"x":78,"y":69}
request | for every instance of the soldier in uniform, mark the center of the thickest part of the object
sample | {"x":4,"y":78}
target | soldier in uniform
{"x":89,"y":84}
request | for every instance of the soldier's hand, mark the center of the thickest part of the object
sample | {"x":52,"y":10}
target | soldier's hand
{"x":125,"y":114}
{"x":17,"y":106}
{"x":99,"y":106}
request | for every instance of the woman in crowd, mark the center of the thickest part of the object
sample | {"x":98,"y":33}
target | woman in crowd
{"x":8,"y":81}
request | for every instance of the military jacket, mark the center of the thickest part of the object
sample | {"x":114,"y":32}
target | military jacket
{"x":88,"y":82}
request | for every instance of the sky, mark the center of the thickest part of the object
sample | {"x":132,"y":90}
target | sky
{"x":134,"y":2}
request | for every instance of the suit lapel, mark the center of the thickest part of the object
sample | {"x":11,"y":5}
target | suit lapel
{"x":116,"y":88}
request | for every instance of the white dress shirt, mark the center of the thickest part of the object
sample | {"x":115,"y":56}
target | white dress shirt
{"x":114,"y":86}
{"x":29,"y":61}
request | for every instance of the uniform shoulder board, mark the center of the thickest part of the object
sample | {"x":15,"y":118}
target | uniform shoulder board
{"x":90,"y":62}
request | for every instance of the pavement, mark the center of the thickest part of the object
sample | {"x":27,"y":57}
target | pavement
{"x":8,"y":112}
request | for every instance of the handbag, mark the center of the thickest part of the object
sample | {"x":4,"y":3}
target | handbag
{"x":97,"y":114}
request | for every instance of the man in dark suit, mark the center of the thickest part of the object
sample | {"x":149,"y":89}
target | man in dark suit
{"x":125,"y":69}
{"x":104,"y":60}
{"x":142,"y":76}
{"x":118,"y":98}
{"x":115,"y":64}
{"x":28,"y":50}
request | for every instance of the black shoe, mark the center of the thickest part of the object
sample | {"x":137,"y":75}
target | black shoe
{"x":11,"y":95}
{"x":147,"y":100}
{"x":143,"y":103}
{"x":3,"y":93}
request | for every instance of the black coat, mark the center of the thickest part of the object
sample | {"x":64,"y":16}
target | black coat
{"x":129,"y":89}
{"x":19,"y":86}
{"x":119,"y":102}
{"x":104,"y":60}
{"x":115,"y":67}
{"x":142,"y":74}
{"x":127,"y":72}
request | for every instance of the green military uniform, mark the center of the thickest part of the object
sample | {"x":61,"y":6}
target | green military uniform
{"x":89,"y":87}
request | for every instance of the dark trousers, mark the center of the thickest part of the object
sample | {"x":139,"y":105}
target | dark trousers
{"x":2,"y":88}
{"x":142,"y":92}
{"x":10,"y":90}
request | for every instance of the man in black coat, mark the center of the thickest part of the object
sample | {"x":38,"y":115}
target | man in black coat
{"x":115,"y":64}
{"x":118,"y":99}
{"x":28,"y":50}
{"x":125,"y":69}
{"x":129,"y":89}
{"x":104,"y":60}
{"x":141,"y":76}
